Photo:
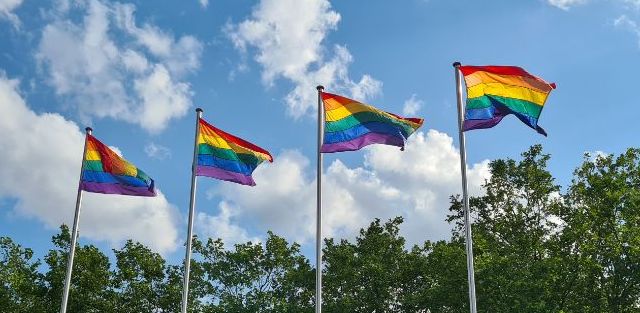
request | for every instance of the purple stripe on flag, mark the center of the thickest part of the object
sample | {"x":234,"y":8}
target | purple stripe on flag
{"x":218,"y":173}
{"x":364,"y":140}
{"x":480,"y":124}
{"x":117,"y":189}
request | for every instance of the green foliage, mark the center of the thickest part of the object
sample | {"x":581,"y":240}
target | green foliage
{"x":365,"y":276}
{"x":256,"y":278}
{"x":513,"y":228}
{"x":602,"y":235}
{"x":20,"y":282}
{"x":538,"y":248}
{"x":90,"y":284}
{"x":139,"y":279}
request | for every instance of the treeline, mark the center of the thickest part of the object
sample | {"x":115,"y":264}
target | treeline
{"x":538,"y":248}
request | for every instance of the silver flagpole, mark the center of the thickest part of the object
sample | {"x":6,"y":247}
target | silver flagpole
{"x":74,"y":231}
{"x":319,"y":205}
{"x":465,"y":194}
{"x":192,"y":204}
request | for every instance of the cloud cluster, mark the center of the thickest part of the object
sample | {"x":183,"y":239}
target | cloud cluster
{"x":566,"y":4}
{"x":415,"y":183}
{"x":41,"y":155}
{"x":6,"y":11}
{"x":626,"y":23}
{"x":412,"y":105}
{"x":288,"y":36}
{"x":136,"y":78}
{"x":223,"y":226}
{"x":156,"y":151}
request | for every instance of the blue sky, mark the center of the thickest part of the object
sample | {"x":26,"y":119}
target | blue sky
{"x":136,"y":71}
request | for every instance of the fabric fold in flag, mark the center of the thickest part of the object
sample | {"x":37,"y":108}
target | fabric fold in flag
{"x":104,"y":171}
{"x":494,"y":92}
{"x":351,"y":125}
{"x":226,"y":157}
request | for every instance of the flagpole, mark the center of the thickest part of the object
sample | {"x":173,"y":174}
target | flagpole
{"x":192,"y":203}
{"x":319,"y":204}
{"x":465,"y":193}
{"x":74,"y":231}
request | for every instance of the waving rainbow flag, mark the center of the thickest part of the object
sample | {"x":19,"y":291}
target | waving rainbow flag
{"x":226,"y":157}
{"x":103,"y":171}
{"x":351,"y":125}
{"x":494,"y":92}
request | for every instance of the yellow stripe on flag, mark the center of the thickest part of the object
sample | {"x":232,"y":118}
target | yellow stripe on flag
{"x":501,"y":90}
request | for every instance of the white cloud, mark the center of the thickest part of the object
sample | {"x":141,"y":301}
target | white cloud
{"x":162,"y":98}
{"x":125,"y":79}
{"x":134,"y":61}
{"x":282,"y":201}
{"x":179,"y":56}
{"x":204,"y":3}
{"x":595,"y":155}
{"x":117,"y":151}
{"x":156,"y":151}
{"x":624,"y":22}
{"x":415,"y":183}
{"x":412,"y":105}
{"x":6,"y":11}
{"x":222,"y":226}
{"x":40,"y":168}
{"x":288,"y":36}
{"x":633,"y":3}
{"x":566,"y":4}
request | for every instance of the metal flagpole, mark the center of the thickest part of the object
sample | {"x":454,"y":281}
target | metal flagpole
{"x":74,"y":231}
{"x":465,"y":195}
{"x":319,"y":205}
{"x":192,"y":203}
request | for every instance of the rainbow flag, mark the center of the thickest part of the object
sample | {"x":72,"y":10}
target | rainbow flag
{"x":351,"y":125}
{"x":103,"y":171}
{"x":494,"y":92}
{"x":226,"y":157}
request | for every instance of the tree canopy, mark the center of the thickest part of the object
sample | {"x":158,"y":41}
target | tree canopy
{"x":538,"y":247}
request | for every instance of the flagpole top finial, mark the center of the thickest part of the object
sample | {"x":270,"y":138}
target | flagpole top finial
{"x":199,"y":110}
{"x":456,"y":64}
{"x":320,"y":88}
{"x":88,"y":130}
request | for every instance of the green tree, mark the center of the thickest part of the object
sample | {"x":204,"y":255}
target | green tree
{"x":537,"y":249}
{"x":171,"y":289}
{"x":514,"y":229}
{"x":91,"y":280}
{"x":254,"y":278}
{"x":602,"y":235}
{"x":21,"y":287}
{"x":139,"y":279}
{"x":365,"y":276}
{"x":436,"y":278}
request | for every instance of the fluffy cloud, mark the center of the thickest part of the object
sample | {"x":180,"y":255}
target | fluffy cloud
{"x":40,"y":168}
{"x":412,"y":105}
{"x":283,"y":200}
{"x":156,"y":151}
{"x":632,"y":3}
{"x":6,"y":11}
{"x":566,"y":4}
{"x":287,"y":36}
{"x":624,"y":22}
{"x":415,"y":183}
{"x":204,"y":3}
{"x":135,"y":79}
{"x":223,"y":226}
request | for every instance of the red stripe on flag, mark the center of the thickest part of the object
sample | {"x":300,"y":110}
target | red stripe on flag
{"x":239,"y":141}
{"x":499,"y":70}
